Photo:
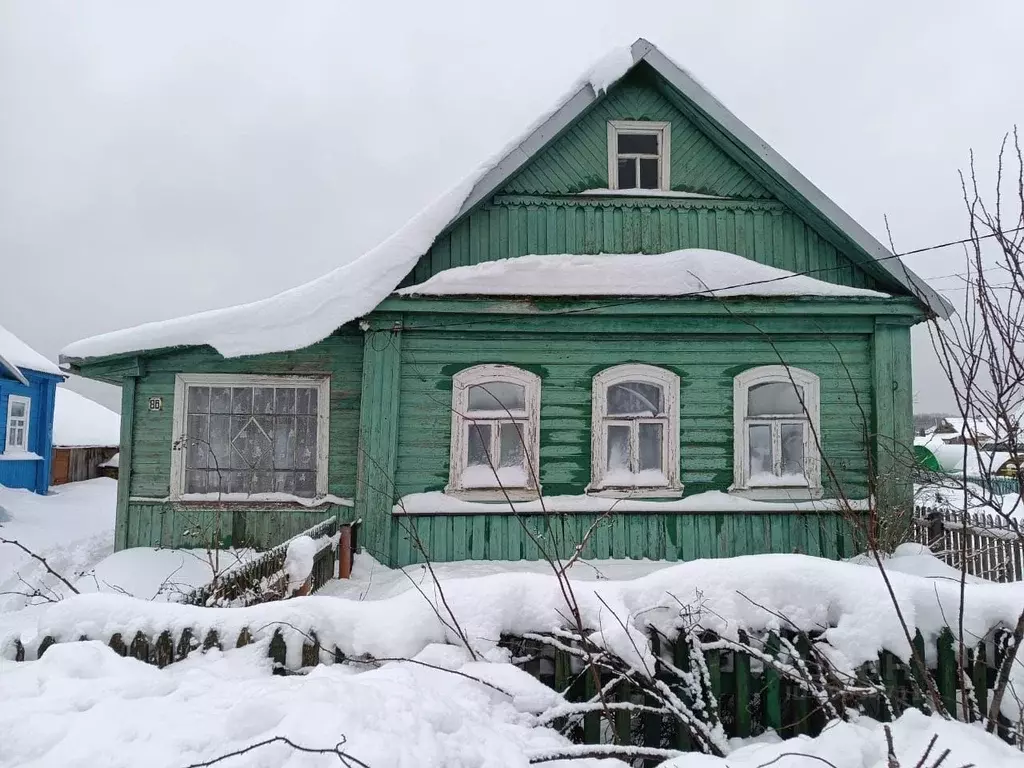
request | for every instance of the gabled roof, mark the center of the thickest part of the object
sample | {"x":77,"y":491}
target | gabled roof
{"x":309,"y":313}
{"x":753,"y":148}
{"x":16,"y":355}
{"x":79,"y":422}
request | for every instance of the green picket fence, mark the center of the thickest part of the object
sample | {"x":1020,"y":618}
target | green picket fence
{"x":752,"y":696}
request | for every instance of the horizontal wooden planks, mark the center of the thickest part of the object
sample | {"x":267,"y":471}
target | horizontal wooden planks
{"x":567,"y":364}
{"x":683,"y":537}
{"x":339,"y":356}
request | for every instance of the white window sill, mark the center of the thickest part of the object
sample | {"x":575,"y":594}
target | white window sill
{"x":494,"y":494}
{"x":778,"y":493}
{"x":20,"y":456}
{"x":636,"y":493}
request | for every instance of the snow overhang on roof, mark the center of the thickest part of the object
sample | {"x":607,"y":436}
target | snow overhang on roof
{"x":310,"y":312}
{"x":16,"y":356}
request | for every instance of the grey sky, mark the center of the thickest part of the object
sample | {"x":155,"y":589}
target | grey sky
{"x":158,"y":159}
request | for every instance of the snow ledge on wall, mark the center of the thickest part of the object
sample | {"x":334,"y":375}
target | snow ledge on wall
{"x":437,"y":503}
{"x":696,"y":272}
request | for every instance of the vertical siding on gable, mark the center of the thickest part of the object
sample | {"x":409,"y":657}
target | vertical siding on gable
{"x":512,"y":226}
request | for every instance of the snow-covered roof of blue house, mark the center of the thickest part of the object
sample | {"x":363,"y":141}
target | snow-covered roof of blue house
{"x":16,"y":355}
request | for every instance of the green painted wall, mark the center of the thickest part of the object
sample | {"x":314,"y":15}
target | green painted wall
{"x":155,"y":524}
{"x":566,"y":363}
{"x":578,"y":160}
{"x":764,"y":231}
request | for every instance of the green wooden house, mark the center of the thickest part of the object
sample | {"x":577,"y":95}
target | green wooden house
{"x":638,"y":329}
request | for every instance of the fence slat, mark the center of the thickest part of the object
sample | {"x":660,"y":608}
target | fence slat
{"x":741,"y":692}
{"x":946,"y":673}
{"x":772,"y":687}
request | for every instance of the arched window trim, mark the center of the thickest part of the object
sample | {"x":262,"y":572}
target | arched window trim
{"x":458,"y":459}
{"x":767,"y":374}
{"x":651,"y":374}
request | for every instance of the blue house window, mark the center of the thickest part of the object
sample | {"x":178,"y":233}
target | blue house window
{"x":18,"y":413}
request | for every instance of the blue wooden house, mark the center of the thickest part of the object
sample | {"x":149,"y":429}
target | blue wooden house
{"x":28,"y":386}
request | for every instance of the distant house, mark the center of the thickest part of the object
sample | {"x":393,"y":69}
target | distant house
{"x":587,"y":334}
{"x":85,"y":436}
{"x":28,"y":384}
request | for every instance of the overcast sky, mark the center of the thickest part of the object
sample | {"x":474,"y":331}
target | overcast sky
{"x":157,"y":159}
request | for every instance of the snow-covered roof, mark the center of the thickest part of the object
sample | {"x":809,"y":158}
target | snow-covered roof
{"x":694,"y":272}
{"x":79,"y":422}
{"x":308,"y":313}
{"x":15,"y":354}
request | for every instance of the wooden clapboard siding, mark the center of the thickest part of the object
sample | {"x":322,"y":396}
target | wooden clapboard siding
{"x":682,"y":537}
{"x":339,"y":356}
{"x":567,"y":362}
{"x":578,"y":160}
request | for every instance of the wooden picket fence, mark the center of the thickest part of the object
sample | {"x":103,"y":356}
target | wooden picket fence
{"x":986,"y":545}
{"x":752,"y":696}
{"x":262,"y":579}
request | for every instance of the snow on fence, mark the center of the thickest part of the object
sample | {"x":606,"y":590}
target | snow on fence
{"x":986,"y":545}
{"x":265,"y":578}
{"x":766,"y":681}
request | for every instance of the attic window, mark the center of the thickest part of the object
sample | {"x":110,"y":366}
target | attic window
{"x":638,"y":154}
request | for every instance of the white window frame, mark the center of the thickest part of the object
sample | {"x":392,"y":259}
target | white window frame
{"x":23,"y":446}
{"x":811,"y":386}
{"x":662,"y":130}
{"x":183,"y":381}
{"x":459,"y":456}
{"x":649,"y":374}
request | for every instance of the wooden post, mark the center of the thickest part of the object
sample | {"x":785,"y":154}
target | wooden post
{"x":936,"y":531}
{"x":378,"y":434}
{"x":345,"y":552}
{"x":124,"y":471}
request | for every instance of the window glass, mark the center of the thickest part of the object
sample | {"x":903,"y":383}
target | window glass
{"x":497,"y":396}
{"x":18,"y":409}
{"x":635,"y":398}
{"x":638,"y":143}
{"x":479,"y":445}
{"x":511,"y":445}
{"x":648,"y":173}
{"x":792,"y":449}
{"x":774,"y":398}
{"x":618,"y":447}
{"x":246,"y":439}
{"x":627,"y":173}
{"x":651,"y":436}
{"x":760,"y":439}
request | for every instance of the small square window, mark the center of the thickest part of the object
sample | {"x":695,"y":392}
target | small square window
{"x":638,"y":154}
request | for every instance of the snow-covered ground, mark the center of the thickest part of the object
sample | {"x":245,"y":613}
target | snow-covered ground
{"x":72,"y":527}
{"x":82,"y":705}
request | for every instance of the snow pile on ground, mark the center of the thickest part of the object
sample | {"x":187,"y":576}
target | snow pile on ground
{"x":862,"y":745}
{"x":689,"y":272}
{"x":19,"y":354}
{"x":82,"y":705}
{"x":81,"y":422}
{"x":72,"y":527}
{"x":298,"y":561}
{"x":308,"y":313}
{"x":918,"y":560}
{"x":160,"y":574}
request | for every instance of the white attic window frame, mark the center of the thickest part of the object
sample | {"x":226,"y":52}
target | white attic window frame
{"x":182,"y":383}
{"x":743,"y":484}
{"x":528,"y":421}
{"x":601,"y":420}
{"x":17,"y":425}
{"x":659,"y":129}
